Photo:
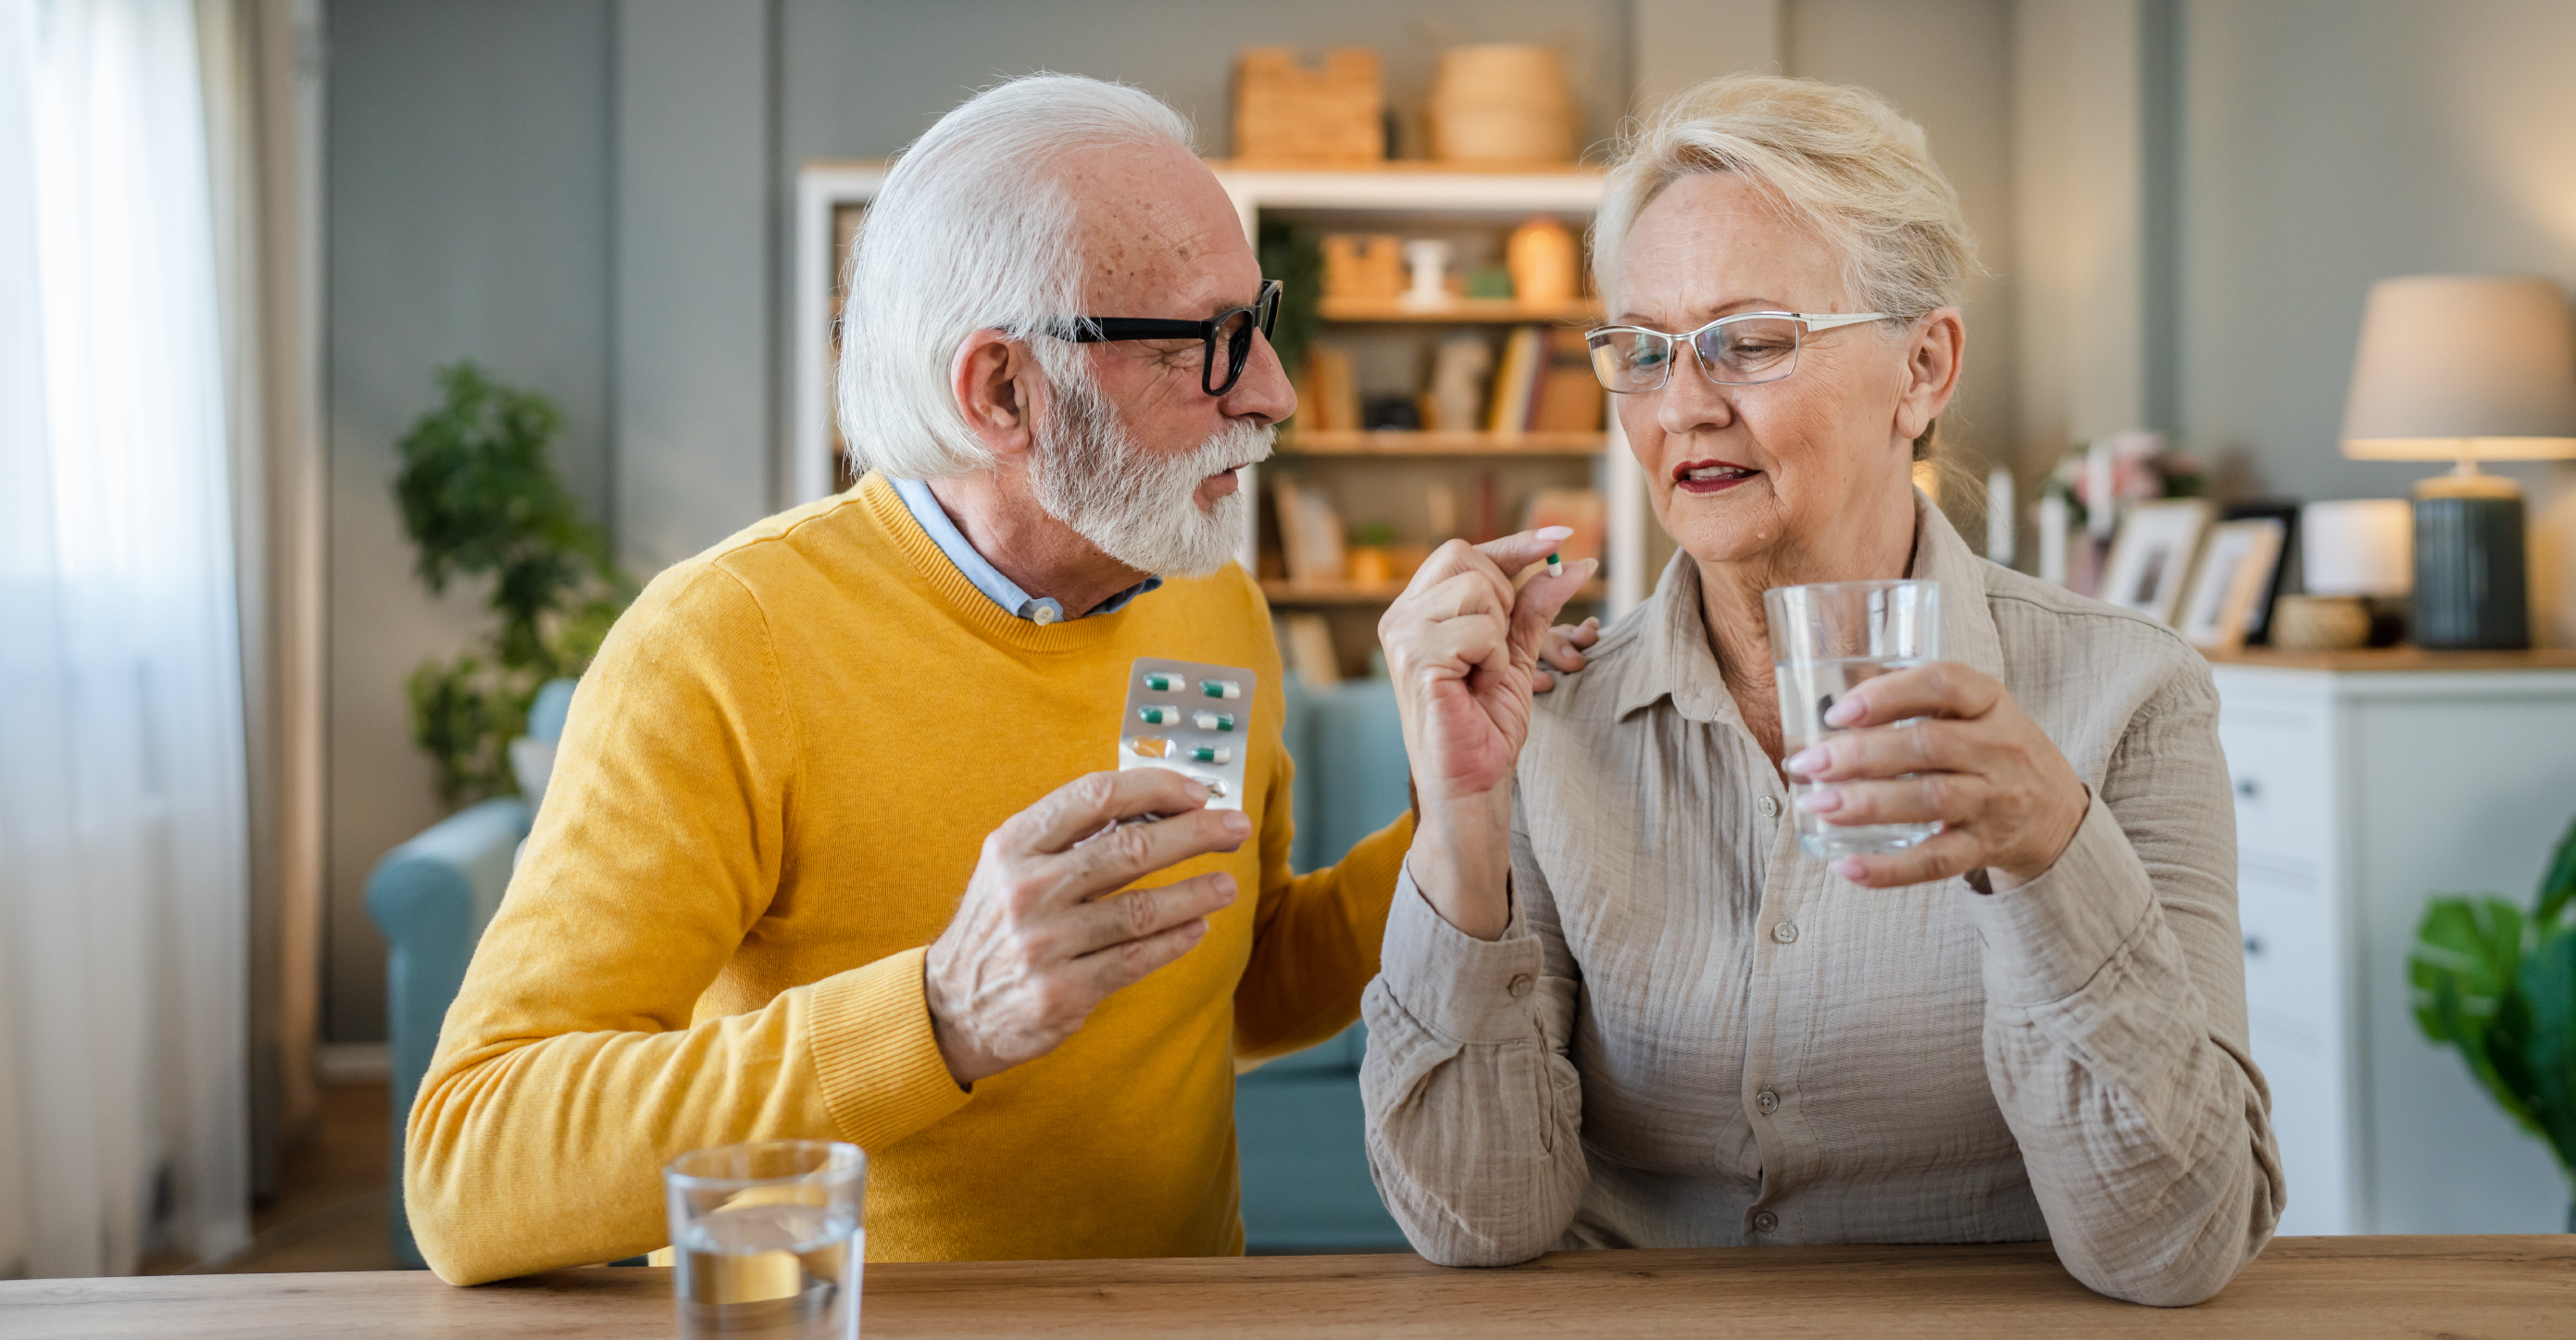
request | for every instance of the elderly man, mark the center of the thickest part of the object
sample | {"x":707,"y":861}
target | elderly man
{"x":829,"y":851}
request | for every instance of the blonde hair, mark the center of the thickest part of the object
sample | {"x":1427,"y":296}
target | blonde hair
{"x":1836,"y":159}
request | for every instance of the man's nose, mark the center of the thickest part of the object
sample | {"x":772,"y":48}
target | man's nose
{"x":1263,"y":390}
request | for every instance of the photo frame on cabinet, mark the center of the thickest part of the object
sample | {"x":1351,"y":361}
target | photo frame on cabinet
{"x":2151,"y":557}
{"x":2258,"y":622}
{"x":2233,"y":583}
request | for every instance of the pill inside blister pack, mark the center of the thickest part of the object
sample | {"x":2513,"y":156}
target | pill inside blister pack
{"x":1190,"y":718}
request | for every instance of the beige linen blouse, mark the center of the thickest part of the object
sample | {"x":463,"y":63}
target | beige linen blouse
{"x":1692,"y":1034}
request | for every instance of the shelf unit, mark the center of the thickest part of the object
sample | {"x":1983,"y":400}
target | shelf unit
{"x":1399,"y":197}
{"x":831,"y":196}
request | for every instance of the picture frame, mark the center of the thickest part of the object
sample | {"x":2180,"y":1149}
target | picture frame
{"x":2234,"y":582}
{"x":2151,"y":556}
{"x":2258,"y":623}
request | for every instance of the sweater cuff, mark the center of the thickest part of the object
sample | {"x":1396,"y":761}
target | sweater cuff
{"x":875,"y":1055}
{"x":1467,"y":990}
{"x":2048,"y":938}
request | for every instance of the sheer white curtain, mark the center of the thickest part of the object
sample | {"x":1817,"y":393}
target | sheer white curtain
{"x":122,"y":809}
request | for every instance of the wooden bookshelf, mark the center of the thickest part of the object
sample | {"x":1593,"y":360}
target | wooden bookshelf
{"x":1370,"y":593}
{"x":1398,"y":442}
{"x":1463,"y":311}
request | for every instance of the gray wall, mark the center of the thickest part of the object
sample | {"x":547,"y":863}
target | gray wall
{"x":467,"y":206}
{"x":2330,"y":143}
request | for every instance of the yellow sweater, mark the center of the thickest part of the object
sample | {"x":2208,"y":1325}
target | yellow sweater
{"x":773,"y":788}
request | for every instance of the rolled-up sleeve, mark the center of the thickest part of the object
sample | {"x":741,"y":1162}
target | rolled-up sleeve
{"x":1474,"y":1112}
{"x":2115,"y":1031}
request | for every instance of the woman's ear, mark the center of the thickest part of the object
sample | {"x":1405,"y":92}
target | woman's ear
{"x":997,"y":386}
{"x":1931,"y":371}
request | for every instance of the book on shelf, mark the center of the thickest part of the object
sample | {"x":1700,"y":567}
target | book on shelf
{"x":1328,"y":400}
{"x":1516,"y":383}
{"x":1306,"y":640}
{"x":1310,"y":532}
{"x":1582,"y":511}
{"x":1570,"y":398}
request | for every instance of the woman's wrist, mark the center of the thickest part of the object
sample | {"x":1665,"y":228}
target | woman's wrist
{"x":1462,"y":860}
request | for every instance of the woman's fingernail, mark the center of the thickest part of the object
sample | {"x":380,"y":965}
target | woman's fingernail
{"x":1843,"y":713}
{"x":1850,"y":868}
{"x":1809,"y":761}
{"x":1822,"y":800}
{"x":1556,"y":532}
{"x":1238,"y":823}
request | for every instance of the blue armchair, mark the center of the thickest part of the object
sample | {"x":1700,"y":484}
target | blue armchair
{"x":1306,"y":1185}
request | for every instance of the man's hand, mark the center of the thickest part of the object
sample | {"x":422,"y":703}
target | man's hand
{"x":1037,"y":944}
{"x":1562,"y":652}
{"x":1462,"y":646}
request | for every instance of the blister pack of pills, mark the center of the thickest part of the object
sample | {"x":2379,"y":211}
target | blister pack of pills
{"x":1192,"y":719}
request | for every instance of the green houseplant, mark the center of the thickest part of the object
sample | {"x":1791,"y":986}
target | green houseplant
{"x":480,"y":498}
{"x":2501,"y":987}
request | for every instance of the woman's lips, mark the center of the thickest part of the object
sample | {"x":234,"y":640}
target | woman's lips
{"x":1710,"y":476}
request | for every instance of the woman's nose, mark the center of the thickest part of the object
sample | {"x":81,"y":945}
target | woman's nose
{"x":1691,"y":403}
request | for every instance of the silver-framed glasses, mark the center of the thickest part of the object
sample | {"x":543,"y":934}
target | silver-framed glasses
{"x":1745,"y":349}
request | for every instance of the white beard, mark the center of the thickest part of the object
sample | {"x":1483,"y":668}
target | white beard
{"x":1139,"y":507}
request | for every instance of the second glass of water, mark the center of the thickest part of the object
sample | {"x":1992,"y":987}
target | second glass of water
{"x":767,"y":1239}
{"x":1825,"y":640}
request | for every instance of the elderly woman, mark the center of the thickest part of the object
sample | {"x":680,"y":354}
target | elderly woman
{"x":1619,"y":1006}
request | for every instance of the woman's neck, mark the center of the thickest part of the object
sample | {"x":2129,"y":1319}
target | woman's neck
{"x":1730,"y":597}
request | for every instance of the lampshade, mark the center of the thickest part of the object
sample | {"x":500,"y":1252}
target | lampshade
{"x":2463,"y":367}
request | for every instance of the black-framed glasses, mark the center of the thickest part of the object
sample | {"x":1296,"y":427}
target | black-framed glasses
{"x":1232,"y":329}
{"x":1746,"y":349}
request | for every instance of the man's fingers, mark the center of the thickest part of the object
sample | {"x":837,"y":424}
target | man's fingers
{"x":1942,"y":856}
{"x":1114,"y":858}
{"x":1940,"y":689}
{"x":1089,"y":803}
{"x":1562,"y":648}
{"x":1142,"y":913}
{"x":1123,"y":965}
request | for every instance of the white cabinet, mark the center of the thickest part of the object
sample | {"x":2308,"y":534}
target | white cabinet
{"x":2365,"y":784}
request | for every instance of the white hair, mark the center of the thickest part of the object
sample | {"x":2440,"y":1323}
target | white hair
{"x":1838,"y":159}
{"x":974,"y":229}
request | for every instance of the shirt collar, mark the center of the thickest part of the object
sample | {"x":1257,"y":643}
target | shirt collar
{"x":1675,"y":660}
{"x":988,"y":579}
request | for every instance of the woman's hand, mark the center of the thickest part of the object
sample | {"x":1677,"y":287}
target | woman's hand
{"x":2007,"y":801}
{"x":1562,"y":651}
{"x":1462,"y":645}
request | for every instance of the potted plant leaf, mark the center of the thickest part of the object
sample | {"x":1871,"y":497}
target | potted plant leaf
{"x":480,"y":497}
{"x":2500,"y":986}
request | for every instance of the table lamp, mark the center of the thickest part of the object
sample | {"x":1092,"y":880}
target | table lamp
{"x":2465,"y":368}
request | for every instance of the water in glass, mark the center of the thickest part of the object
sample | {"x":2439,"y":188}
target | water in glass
{"x":770,"y":1270}
{"x":1807,"y":689}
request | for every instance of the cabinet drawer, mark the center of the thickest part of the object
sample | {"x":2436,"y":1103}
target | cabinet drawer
{"x":2290,"y":956}
{"x":2276,"y":763}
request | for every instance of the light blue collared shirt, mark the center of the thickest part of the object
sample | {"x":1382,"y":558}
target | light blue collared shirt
{"x":989,"y":579}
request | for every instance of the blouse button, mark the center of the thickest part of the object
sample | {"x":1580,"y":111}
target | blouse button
{"x":1769,"y":805}
{"x":1786,"y":932}
{"x":1768,"y":1101}
{"x":1765,"y":1222}
{"x":1520,"y":986}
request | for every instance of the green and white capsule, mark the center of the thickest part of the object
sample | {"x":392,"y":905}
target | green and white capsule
{"x":1208,"y":753}
{"x":1220,"y":721}
{"x":1158,"y":714}
{"x":1220,"y":688}
{"x":1162,"y":682}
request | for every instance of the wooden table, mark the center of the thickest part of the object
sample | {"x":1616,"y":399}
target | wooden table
{"x":2488,"y":1287}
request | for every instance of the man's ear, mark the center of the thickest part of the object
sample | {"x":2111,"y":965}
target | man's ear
{"x":997,"y":386}
{"x":1932,"y":359}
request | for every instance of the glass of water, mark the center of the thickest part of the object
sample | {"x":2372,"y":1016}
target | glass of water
{"x":1825,"y":640}
{"x":767,"y":1239}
